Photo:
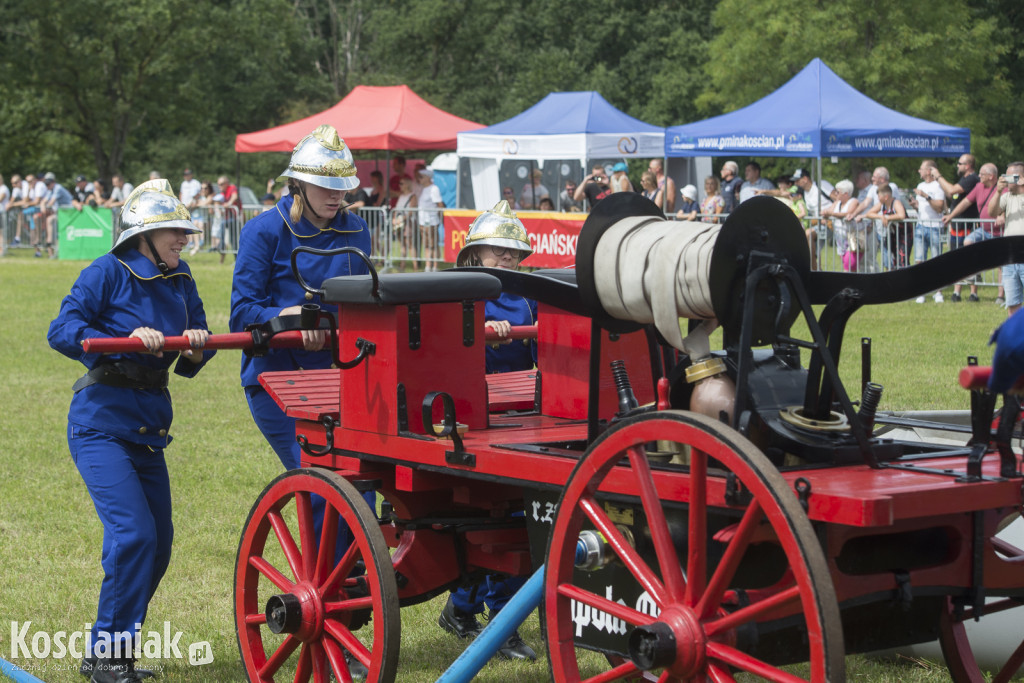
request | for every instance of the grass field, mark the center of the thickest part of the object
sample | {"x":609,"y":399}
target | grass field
{"x":50,"y":536}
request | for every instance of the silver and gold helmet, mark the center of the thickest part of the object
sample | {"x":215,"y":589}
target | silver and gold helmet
{"x":152,"y":206}
{"x":498,"y":227}
{"x":322,"y":158}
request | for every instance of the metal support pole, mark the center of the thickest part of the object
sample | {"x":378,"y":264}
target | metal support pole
{"x":494,"y":635}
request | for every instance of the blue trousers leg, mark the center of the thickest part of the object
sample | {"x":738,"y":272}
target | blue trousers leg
{"x":131,"y":492}
{"x":279,"y":431}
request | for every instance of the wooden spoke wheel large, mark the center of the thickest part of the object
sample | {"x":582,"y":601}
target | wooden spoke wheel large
{"x":956,"y":641}
{"x":700,"y":612}
{"x":301,"y":612}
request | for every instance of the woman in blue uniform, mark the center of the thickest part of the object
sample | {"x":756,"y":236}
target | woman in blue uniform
{"x":312,"y":214}
{"x":496,"y":239}
{"x":120,"y":416}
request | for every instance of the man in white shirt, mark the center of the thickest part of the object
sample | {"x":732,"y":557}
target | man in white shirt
{"x":190,"y":188}
{"x":120,"y":192}
{"x":817,"y":232}
{"x":879,"y":178}
{"x":430,"y":217}
{"x":930,"y":201}
{"x":754,"y":182}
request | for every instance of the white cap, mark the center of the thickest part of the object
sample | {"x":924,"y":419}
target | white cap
{"x":690,"y":192}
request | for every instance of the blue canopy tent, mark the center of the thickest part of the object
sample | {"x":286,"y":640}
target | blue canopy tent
{"x":567,"y":128}
{"x":816,"y":114}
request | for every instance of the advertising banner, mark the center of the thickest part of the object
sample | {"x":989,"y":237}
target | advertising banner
{"x":84,"y":235}
{"x":553,"y":236}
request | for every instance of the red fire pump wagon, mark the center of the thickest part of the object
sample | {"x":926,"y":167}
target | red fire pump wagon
{"x":699,"y":513}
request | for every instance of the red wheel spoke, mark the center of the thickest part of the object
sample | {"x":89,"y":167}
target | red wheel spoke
{"x":328,"y":542}
{"x":614,"y":674}
{"x":671,"y":572}
{"x":336,"y":606}
{"x":626,"y":553}
{"x":255,"y":619}
{"x":719,"y":675}
{"x":1012,"y":664}
{"x":304,"y":512}
{"x":280,"y":656}
{"x":268,"y":570}
{"x":697,"y":533}
{"x":287,"y":542}
{"x":624,"y":612}
{"x":305,"y":667}
{"x":348,"y":561}
{"x":752,"y":612}
{"x":989,"y":608}
{"x":726,"y":569}
{"x":337,"y":658}
{"x":1010,"y":552}
{"x":320,"y":668}
{"x":745,"y":662}
{"x":667,"y":677}
{"x":348,"y":641}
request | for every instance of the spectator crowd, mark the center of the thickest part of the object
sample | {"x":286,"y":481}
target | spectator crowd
{"x":865,"y":224}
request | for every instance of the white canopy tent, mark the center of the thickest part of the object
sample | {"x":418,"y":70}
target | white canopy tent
{"x":573,"y":128}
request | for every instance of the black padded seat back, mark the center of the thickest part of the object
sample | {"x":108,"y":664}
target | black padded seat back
{"x":555,"y":287}
{"x":411,"y":288}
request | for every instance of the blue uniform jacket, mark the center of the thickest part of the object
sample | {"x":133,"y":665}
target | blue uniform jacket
{"x":520,"y":354}
{"x":263,"y":283}
{"x":113,"y":296}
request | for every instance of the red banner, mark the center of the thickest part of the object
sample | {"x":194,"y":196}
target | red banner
{"x":552,"y":235}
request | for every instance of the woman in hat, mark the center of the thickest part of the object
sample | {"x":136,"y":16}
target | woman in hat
{"x":312,"y":214}
{"x":496,"y":239}
{"x":689,"y":209}
{"x":619,"y":181}
{"x":120,"y":415}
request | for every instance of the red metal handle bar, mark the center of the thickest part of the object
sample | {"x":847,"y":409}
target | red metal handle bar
{"x":517,"y":332}
{"x":232,"y":340}
{"x":242,"y":340}
{"x":976,"y":377}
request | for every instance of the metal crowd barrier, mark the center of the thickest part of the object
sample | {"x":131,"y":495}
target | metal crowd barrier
{"x":401,"y":243}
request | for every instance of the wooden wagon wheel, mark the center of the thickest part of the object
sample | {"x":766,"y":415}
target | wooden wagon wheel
{"x":694,"y":635}
{"x":297,"y":611}
{"x":956,"y":643}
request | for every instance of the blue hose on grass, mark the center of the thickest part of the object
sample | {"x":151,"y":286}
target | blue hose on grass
{"x":16,"y":673}
{"x":497,"y":631}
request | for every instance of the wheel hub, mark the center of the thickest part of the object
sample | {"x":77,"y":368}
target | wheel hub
{"x":300,"y":612}
{"x":676,"y":641}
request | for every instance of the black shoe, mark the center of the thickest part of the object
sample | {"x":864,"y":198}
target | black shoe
{"x":973,"y":298}
{"x":89,"y":664}
{"x":116,"y":671}
{"x":955,"y":298}
{"x":356,"y":669}
{"x":457,"y":622}
{"x":514,"y":647}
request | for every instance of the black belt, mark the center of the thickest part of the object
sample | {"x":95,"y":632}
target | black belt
{"x":124,"y":374}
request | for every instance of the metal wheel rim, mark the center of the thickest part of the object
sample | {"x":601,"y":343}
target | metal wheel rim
{"x":317,"y":654}
{"x":812,"y":587}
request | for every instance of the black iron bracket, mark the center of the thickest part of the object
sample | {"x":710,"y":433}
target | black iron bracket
{"x":449,"y":428}
{"x":414,"y":326}
{"x":328,"y":424}
{"x":468,"y":323}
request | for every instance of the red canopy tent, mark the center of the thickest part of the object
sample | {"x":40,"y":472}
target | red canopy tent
{"x":369,"y":117}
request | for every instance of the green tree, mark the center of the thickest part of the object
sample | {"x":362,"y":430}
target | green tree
{"x":118,"y":81}
{"x":945,"y":68}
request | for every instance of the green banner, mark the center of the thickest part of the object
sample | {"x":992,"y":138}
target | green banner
{"x":84,"y":235}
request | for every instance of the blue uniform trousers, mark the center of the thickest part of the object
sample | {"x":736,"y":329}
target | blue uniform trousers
{"x":131,"y":491}
{"x":279,"y":431}
{"x":493,"y":591}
